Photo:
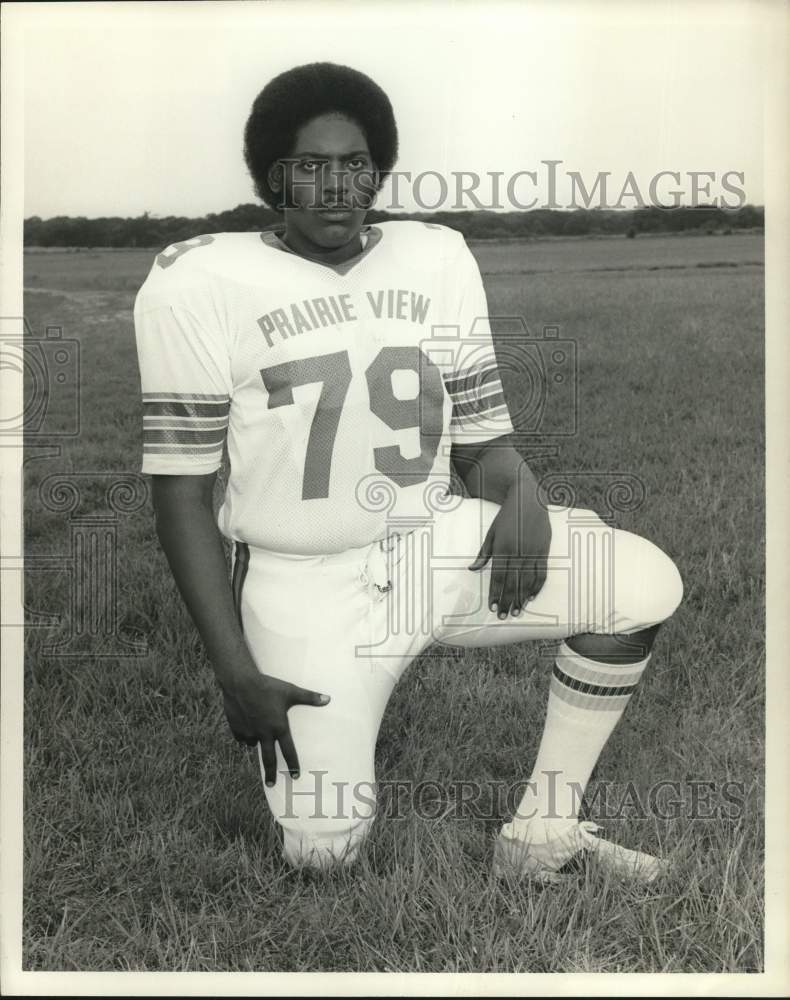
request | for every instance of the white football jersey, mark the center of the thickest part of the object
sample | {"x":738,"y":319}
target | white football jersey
{"x":338,"y":389}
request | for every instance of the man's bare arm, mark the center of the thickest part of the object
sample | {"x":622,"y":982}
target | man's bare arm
{"x":519,"y":537}
{"x":256,"y":704}
{"x":191,"y":541}
{"x":491,"y":469}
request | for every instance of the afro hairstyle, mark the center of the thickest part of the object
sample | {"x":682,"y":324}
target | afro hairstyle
{"x":299,"y":95}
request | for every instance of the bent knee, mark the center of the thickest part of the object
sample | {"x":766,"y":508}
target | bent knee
{"x":325,"y":846}
{"x":325,"y":822}
{"x":652,"y":581}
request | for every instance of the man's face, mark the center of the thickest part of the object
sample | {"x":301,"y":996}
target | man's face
{"x":329,"y":182}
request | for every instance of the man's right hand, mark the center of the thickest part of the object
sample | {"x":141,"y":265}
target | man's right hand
{"x":256,"y":706}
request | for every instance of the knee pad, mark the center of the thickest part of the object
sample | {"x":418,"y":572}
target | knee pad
{"x":649,"y":581}
{"x":325,"y":849}
{"x":324,"y":819}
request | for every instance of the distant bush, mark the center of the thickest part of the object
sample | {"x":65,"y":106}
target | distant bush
{"x":155,"y":233}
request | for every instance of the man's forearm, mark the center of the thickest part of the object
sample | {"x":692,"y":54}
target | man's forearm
{"x":193,"y":546}
{"x":494,"y":471}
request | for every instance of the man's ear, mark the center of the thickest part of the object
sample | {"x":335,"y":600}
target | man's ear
{"x":274,"y":175}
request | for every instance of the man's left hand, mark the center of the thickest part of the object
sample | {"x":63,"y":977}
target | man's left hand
{"x":517,"y":543}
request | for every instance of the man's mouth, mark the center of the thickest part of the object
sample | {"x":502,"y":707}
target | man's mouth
{"x":335,"y":213}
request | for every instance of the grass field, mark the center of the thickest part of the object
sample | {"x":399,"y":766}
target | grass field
{"x":148,"y":843}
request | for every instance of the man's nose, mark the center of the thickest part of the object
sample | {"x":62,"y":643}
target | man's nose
{"x":335,"y":179}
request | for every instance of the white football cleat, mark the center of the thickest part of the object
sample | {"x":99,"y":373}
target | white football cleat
{"x":515,"y":857}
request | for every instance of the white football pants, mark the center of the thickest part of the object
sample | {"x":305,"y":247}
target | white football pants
{"x":349,"y":624}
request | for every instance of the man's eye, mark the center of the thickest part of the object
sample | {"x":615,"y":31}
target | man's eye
{"x":358,"y":163}
{"x":311,"y":165}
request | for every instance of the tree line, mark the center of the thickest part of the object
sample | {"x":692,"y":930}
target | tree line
{"x":156,"y":232}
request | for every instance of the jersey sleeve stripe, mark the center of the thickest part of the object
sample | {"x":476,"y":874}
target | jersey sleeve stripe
{"x":186,"y":397}
{"x":205,"y":451}
{"x":467,"y":397}
{"x":183,"y":436}
{"x":182,"y":408}
{"x":476,"y":406}
{"x":470,"y":378}
{"x":184,"y":423}
{"x":184,"y":431}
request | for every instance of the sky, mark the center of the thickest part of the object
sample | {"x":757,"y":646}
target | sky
{"x":140,"y":107}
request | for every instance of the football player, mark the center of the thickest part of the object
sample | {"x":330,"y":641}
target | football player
{"x":349,"y":368}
